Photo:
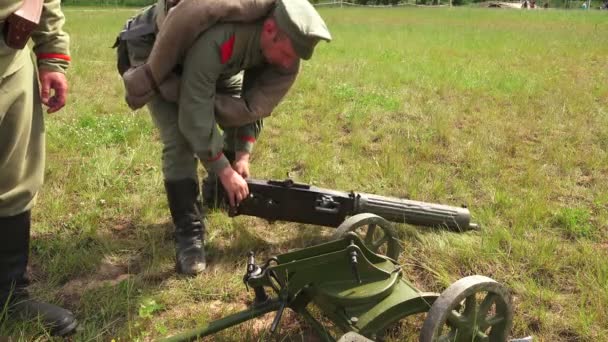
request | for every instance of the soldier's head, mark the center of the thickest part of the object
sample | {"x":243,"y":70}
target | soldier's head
{"x":292,"y":32}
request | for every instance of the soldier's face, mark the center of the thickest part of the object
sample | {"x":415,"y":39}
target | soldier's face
{"x":277,"y":47}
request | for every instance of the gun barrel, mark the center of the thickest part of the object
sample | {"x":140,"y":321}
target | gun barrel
{"x":303,"y":203}
{"x":414,"y":212}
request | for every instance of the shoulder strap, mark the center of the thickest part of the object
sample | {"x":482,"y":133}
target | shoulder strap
{"x":242,"y":35}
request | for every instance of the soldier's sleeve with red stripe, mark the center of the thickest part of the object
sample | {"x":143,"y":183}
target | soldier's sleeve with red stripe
{"x":263,"y":89}
{"x":51,"y":43}
{"x":246,"y":137}
{"x":202,"y":68}
{"x":242,"y":139}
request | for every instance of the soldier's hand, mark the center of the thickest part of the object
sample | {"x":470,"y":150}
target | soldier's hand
{"x":57,"y":82}
{"x":236,"y":187}
{"x":241,"y":164}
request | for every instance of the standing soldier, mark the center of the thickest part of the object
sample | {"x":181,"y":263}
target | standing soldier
{"x":232,"y":76}
{"x":22,"y":142}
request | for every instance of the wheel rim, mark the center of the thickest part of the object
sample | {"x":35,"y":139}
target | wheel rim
{"x":474,"y":308}
{"x":376,"y":232}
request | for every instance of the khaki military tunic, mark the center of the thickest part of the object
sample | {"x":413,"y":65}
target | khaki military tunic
{"x":221,"y":74}
{"x":21,"y":119}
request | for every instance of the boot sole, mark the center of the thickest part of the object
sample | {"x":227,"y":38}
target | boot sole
{"x":70,"y":329}
{"x":179,"y":270}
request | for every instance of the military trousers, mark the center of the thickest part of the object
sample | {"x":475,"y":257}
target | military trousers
{"x":21,"y":140}
{"x":178,"y":159}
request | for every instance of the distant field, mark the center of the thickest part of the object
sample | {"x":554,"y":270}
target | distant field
{"x":505,"y":111}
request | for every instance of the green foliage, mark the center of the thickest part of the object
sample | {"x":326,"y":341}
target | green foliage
{"x":575,"y":222}
{"x":148,"y":307}
{"x":90,"y":132}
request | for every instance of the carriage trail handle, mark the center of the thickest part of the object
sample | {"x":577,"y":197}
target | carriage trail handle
{"x":303,"y":203}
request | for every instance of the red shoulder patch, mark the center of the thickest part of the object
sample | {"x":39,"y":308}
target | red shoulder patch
{"x":247,"y":138}
{"x":226,"y":50}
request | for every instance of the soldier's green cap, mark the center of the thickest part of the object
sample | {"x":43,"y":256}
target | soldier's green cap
{"x":302,"y":24}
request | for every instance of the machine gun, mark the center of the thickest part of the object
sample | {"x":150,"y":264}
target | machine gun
{"x":363,"y":294}
{"x":302,"y":203}
{"x":360,"y":291}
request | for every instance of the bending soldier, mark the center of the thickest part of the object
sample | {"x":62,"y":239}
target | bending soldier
{"x":232,"y":76}
{"x":22,"y":143}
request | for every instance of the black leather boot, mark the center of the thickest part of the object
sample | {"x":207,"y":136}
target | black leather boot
{"x":186,"y":211}
{"x":214,"y":195}
{"x":14,"y":253}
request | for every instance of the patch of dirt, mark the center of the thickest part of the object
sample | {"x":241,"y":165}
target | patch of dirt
{"x":296,"y":170}
{"x":121,"y":227}
{"x":421,"y":277}
{"x":155,"y":277}
{"x":570,"y":335}
{"x":262,"y":324}
{"x":408,"y":326}
{"x":585,"y":181}
{"x":346,"y":129}
{"x":108,"y":273}
{"x":290,"y":327}
{"x":534,"y":325}
{"x":122,"y":224}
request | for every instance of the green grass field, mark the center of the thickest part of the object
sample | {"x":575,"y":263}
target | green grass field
{"x":505,"y":111}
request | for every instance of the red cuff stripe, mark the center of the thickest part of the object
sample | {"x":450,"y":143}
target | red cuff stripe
{"x":216,"y":158}
{"x":53,"y":55}
{"x":248,"y":139}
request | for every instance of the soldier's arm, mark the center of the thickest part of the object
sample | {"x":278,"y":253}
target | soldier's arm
{"x":202,"y":68}
{"x":51,"y":43}
{"x":51,"y":46}
{"x":263,"y":89}
{"x":242,"y":139}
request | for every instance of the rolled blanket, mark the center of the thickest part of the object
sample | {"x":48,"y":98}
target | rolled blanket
{"x":177,"y":32}
{"x":168,"y":89}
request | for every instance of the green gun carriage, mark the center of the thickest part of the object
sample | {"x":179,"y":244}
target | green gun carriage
{"x":358,"y":285}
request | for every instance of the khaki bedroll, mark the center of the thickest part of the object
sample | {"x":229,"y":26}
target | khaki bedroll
{"x":177,"y":31}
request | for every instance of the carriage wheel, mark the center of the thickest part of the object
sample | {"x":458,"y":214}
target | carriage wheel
{"x":377,"y":233}
{"x":474,"y":308}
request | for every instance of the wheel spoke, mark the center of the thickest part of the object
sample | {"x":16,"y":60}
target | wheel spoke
{"x":380,"y":242}
{"x":486,"y":304}
{"x":470,"y":306}
{"x":484,"y":310}
{"x":369,"y":237}
{"x":481,"y":337}
{"x":494,"y":320}
{"x":456,"y":319}
{"x":450,"y":337}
